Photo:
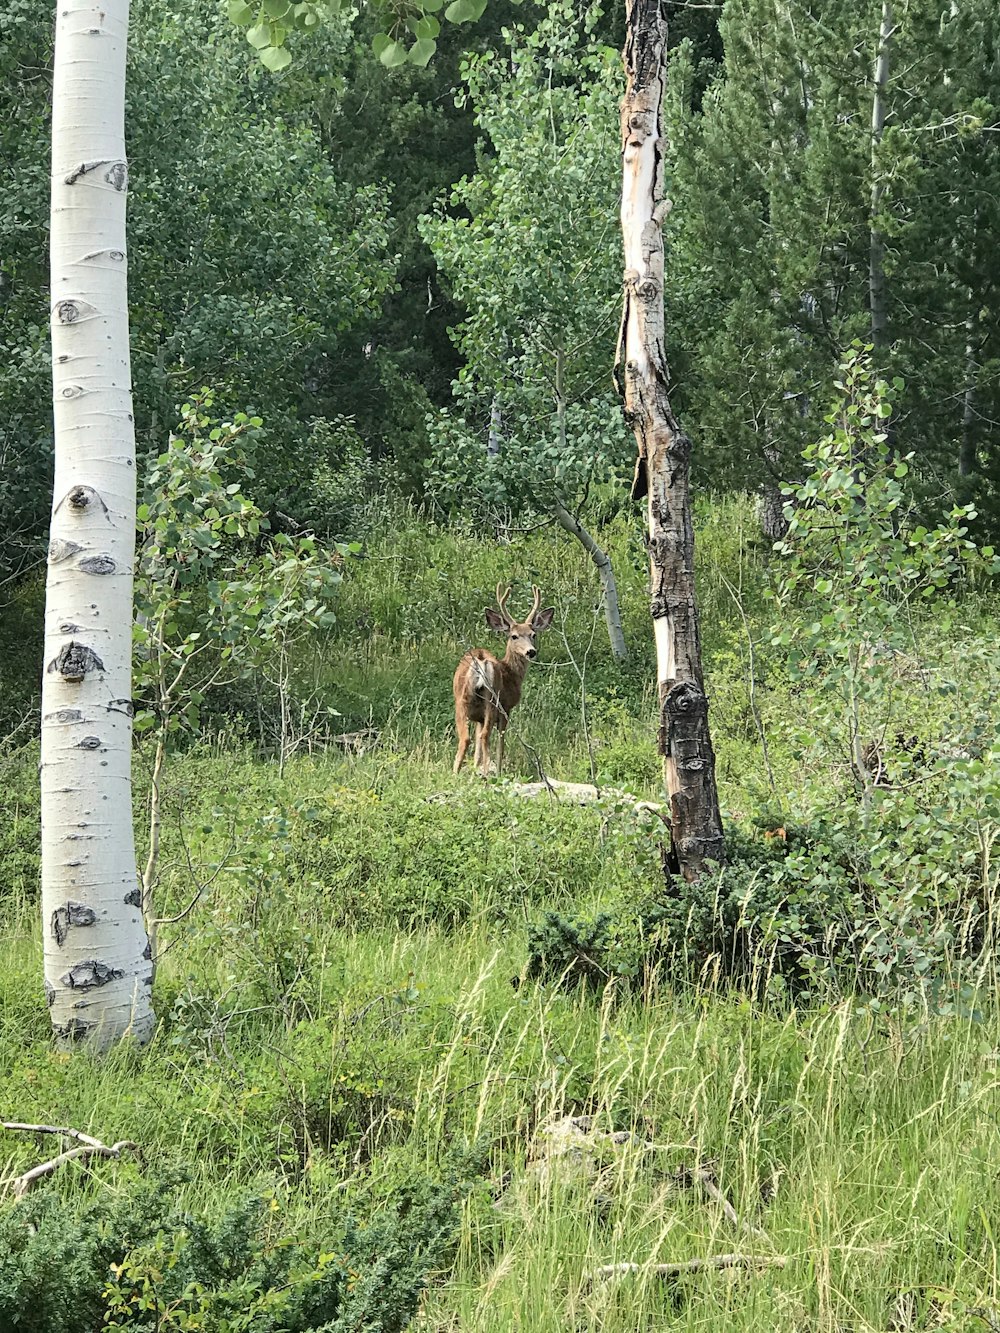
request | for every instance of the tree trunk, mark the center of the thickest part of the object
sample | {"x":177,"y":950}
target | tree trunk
{"x":968,"y":461}
{"x":876,"y":243}
{"x":609,"y":588}
{"x":496,"y":426}
{"x":97,"y":963}
{"x":770,"y":501}
{"x":662,"y":467}
{"x":571,"y":524}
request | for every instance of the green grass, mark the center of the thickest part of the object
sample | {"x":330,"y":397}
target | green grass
{"x":861,"y":1152}
{"x":345,"y":1010}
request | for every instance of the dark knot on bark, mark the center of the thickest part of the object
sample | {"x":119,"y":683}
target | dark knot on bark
{"x":685,"y":698}
{"x":90,"y":974}
{"x":117,"y":176}
{"x":81,"y":496}
{"x":74,"y":660}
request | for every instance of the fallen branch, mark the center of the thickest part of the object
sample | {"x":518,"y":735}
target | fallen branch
{"x":582,"y":793}
{"x":77,"y":1134}
{"x":713,"y":1192}
{"x":704,"y":1177}
{"x":89,"y":1147}
{"x":714,"y":1262}
{"x":358,"y":742}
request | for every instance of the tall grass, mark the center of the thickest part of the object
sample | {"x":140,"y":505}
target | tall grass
{"x":346,"y":1004}
{"x":859,"y":1152}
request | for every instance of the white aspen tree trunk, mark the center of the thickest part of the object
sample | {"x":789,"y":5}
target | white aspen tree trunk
{"x":98,"y":972}
{"x":496,"y":427}
{"x":571,"y":524}
{"x":876,"y":243}
{"x":967,"y":459}
{"x":663,"y":464}
{"x":605,"y":572}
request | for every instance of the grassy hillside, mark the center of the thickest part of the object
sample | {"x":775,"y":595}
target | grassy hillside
{"x":354,"y":1112}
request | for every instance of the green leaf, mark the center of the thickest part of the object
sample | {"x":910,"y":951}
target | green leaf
{"x":379,"y":43}
{"x":259,"y":36}
{"x":240,"y":12}
{"x":461,"y":11}
{"x":393,"y":54}
{"x":275,"y":58}
{"x":421,"y":51}
{"x":276,"y":9}
{"x":426,"y":27}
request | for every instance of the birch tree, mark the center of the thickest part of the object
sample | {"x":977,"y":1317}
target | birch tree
{"x":664,"y":453}
{"x":98,"y":973}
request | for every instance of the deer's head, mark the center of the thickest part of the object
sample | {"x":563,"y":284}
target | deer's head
{"x":520,"y":633}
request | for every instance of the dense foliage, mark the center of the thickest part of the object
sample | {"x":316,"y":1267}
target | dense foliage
{"x":530,"y":248}
{"x":431,"y":1052}
{"x":145,"y":1263}
{"x":780,"y":193}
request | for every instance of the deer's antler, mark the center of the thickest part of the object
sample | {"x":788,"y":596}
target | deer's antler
{"x":502,"y":598}
{"x":536,"y":604}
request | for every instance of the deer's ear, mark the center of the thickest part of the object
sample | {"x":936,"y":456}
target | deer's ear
{"x":544,"y":618}
{"x":496,"y":621}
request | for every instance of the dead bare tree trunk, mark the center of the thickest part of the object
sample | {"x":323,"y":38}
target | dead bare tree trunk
{"x":605,"y":572}
{"x":571,"y":523}
{"x":663,"y":464}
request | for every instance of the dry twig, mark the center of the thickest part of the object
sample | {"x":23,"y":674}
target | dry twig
{"x":714,"y":1261}
{"x":89,"y":1147}
{"x":704,"y":1177}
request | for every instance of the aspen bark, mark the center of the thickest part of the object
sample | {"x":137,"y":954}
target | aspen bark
{"x":968,"y":461}
{"x":663,"y":463}
{"x":876,"y":242}
{"x":605,"y":572}
{"x":571,"y":524}
{"x":496,"y":426}
{"x":98,"y":971}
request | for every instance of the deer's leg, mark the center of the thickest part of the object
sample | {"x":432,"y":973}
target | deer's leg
{"x":462,"y":728}
{"x":500,"y":735}
{"x":483,"y":746}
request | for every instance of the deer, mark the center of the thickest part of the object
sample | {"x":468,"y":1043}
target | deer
{"x":488,"y":688}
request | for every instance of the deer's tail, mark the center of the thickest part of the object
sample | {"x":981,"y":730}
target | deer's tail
{"x":483,"y":678}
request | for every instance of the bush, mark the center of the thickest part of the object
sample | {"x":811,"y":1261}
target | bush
{"x":141,"y":1262}
{"x":756,"y":917}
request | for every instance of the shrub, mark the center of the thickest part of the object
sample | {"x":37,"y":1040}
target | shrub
{"x":760,"y":915}
{"x":142,"y":1262}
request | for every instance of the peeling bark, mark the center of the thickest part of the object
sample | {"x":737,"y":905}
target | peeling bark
{"x":662,"y":465}
{"x":94,"y":937}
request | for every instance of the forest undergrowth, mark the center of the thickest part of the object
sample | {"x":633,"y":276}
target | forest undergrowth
{"x":433,"y":1054}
